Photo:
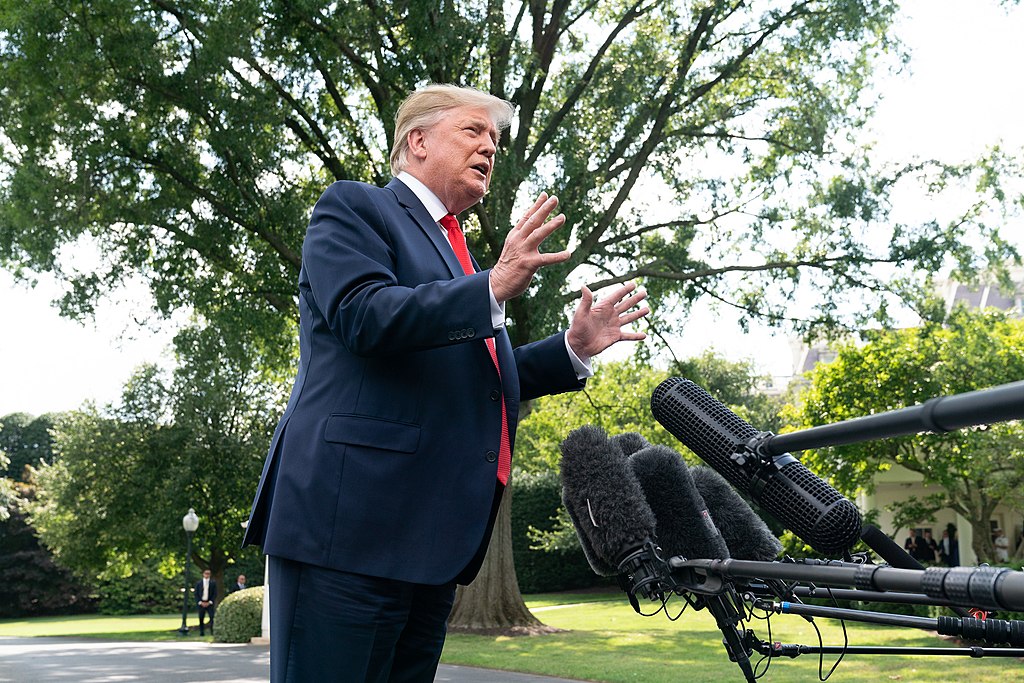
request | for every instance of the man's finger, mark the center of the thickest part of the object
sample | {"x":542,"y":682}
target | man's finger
{"x":540,"y":232}
{"x":537,"y":213}
{"x":552,"y":258}
{"x":631,"y":301}
{"x":586,"y":299}
{"x":634,"y":316}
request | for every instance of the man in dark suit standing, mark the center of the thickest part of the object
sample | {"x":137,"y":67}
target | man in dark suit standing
{"x":239,"y":584}
{"x":385,"y":473}
{"x":206,"y":600}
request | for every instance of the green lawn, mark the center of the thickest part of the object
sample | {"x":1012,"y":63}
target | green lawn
{"x":133,"y":627}
{"x":604,"y":640}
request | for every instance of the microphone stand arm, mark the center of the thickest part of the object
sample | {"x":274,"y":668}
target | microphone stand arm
{"x":775,"y":650}
{"x":987,"y":588}
{"x":990,"y":631}
{"x":938,"y":415}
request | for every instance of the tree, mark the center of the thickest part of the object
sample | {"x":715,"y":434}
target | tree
{"x":115,"y":495}
{"x":976,"y":469}
{"x":706,"y":148}
{"x":26,"y":440}
{"x":31,"y":583}
{"x":8,"y":494}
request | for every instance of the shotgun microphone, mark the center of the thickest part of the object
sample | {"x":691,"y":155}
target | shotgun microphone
{"x":684,"y":525}
{"x":780,"y":484}
{"x":604,"y":500}
{"x":746,"y":534}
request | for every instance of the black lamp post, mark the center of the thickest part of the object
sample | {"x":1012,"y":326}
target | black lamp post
{"x":190,"y":522}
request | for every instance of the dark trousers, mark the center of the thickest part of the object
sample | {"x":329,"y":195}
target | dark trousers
{"x":328,"y":625}
{"x":205,"y":612}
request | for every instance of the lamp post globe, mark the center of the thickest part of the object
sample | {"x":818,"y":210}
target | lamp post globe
{"x":190,"y":522}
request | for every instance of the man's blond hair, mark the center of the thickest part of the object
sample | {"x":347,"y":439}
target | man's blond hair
{"x":429,"y":104}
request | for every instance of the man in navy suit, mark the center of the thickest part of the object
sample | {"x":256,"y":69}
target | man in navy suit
{"x":384,"y":475}
{"x":206,"y":600}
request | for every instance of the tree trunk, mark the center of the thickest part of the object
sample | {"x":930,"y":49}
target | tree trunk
{"x":492,"y":604}
{"x":982,"y":544}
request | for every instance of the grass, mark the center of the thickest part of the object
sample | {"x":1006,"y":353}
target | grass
{"x":147,"y":627}
{"x":604,"y":640}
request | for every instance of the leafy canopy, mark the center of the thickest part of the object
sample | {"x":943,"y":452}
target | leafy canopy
{"x":707,"y":149}
{"x":975,"y":469}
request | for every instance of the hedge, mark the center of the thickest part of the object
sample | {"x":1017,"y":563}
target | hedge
{"x":536,"y":498}
{"x":240,"y":616}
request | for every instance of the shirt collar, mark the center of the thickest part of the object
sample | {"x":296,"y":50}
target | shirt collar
{"x":429,"y":200}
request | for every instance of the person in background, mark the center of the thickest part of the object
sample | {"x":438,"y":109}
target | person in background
{"x":1002,"y":545}
{"x":384,"y":476}
{"x":206,"y":600}
{"x":929,"y":548}
{"x":910,"y":545}
{"x":945,"y":546}
{"x":239,"y":584}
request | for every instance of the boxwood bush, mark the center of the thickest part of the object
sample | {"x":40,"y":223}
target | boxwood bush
{"x":536,"y":498}
{"x":240,"y":616}
{"x":144,"y":591}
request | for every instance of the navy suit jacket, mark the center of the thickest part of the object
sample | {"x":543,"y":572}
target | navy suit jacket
{"x":385,"y":460}
{"x":212,"y":593}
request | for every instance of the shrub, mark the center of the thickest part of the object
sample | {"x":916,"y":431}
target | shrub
{"x":31,"y":584}
{"x":536,"y":501}
{"x":240,"y":616}
{"x":144,"y":591}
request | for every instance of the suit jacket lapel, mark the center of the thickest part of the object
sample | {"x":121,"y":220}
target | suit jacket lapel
{"x":418,"y":212}
{"x":407,"y":198}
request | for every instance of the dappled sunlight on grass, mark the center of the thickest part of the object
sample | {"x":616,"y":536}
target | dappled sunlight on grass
{"x":147,"y":627}
{"x":605,"y":640}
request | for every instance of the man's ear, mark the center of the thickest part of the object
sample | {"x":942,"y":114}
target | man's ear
{"x":417,"y":143}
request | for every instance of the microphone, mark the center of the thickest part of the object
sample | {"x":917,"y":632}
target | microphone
{"x":617,"y":527}
{"x":604,"y":500}
{"x":684,"y":525}
{"x":745,"y":533}
{"x":780,"y":484}
{"x":629,"y":443}
{"x":685,"y":528}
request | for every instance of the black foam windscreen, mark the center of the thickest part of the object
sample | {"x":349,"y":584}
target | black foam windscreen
{"x":814,"y":510}
{"x":603,"y":499}
{"x":746,"y":534}
{"x":629,"y":443}
{"x":684,"y":525}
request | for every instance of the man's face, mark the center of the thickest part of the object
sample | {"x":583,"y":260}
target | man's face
{"x":457,"y":155}
{"x":241,"y":578}
{"x":206,"y":573}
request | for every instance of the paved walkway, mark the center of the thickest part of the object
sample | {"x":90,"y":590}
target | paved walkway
{"x":84,"y":660}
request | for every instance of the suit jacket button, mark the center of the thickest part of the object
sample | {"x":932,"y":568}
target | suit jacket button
{"x":451,"y":336}
{"x":495,"y":394}
{"x":471,"y":332}
{"x":491,"y":456}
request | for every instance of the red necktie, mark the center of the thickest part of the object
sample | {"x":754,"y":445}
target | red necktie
{"x":458,"y":242}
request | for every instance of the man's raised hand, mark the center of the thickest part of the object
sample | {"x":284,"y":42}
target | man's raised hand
{"x":520,"y":256}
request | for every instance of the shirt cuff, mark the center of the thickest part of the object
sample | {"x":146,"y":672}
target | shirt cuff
{"x":580,"y":365}
{"x":497,"y":310}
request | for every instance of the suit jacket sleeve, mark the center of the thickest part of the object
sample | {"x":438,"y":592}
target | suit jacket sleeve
{"x":356,"y":280}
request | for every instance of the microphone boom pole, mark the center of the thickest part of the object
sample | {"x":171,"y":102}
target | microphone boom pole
{"x":986,"y":587}
{"x":938,"y":415}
